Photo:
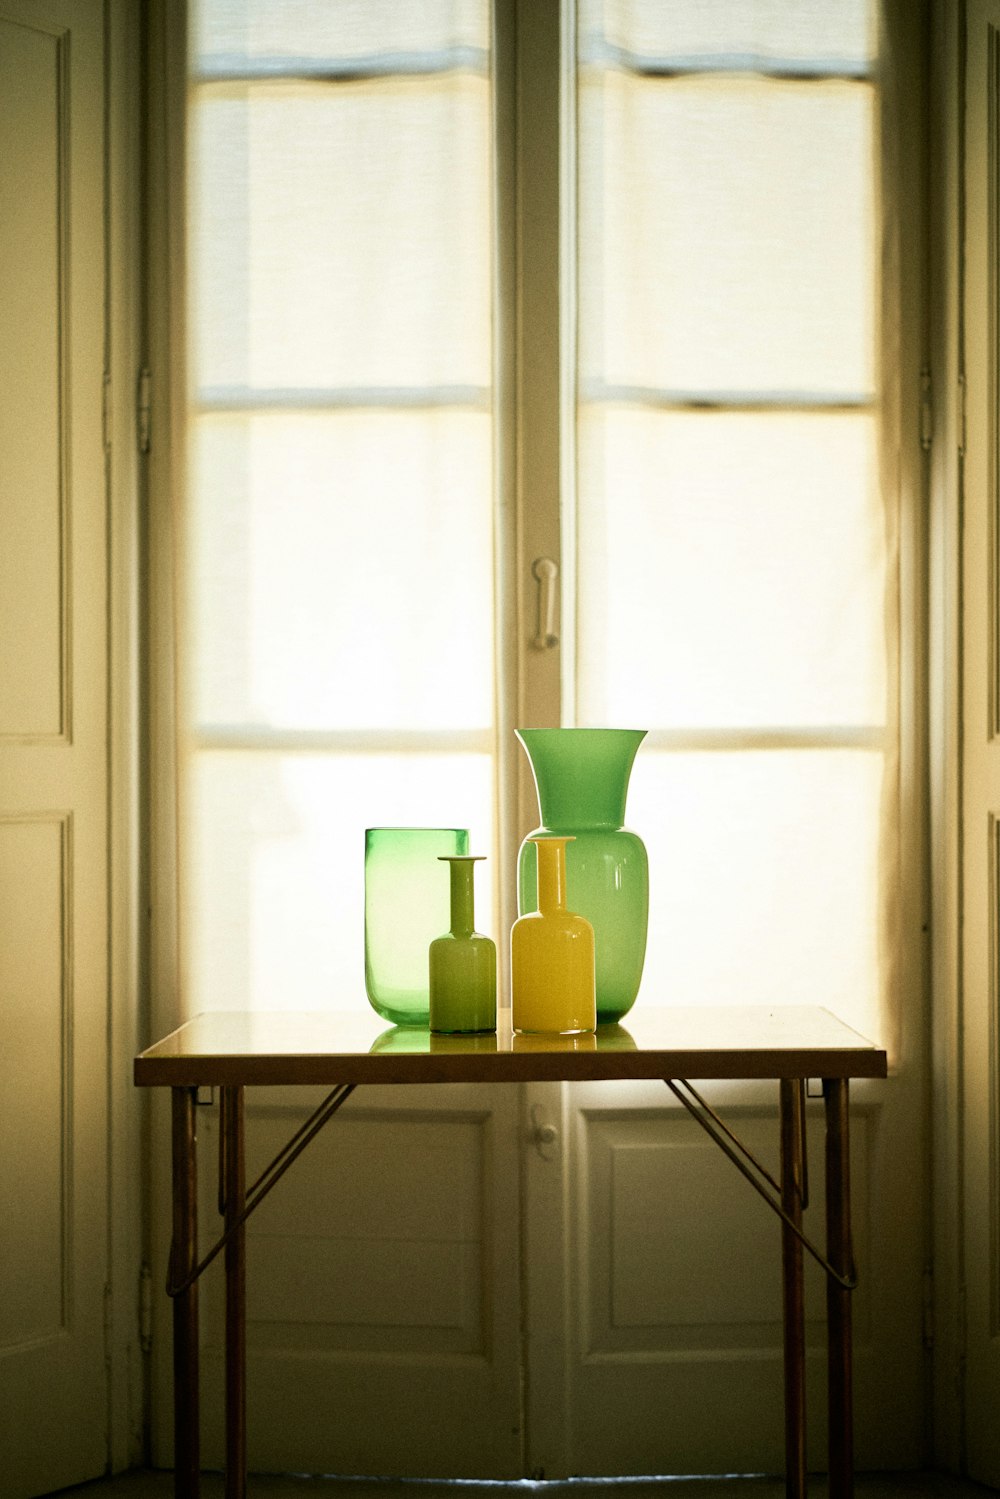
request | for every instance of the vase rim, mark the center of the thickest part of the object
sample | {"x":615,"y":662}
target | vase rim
{"x":409,"y":827}
{"x":574,"y":730}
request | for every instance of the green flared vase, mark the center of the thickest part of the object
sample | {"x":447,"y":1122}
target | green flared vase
{"x":581,"y":777}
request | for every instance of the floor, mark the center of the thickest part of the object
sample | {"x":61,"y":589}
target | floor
{"x":159,"y":1485}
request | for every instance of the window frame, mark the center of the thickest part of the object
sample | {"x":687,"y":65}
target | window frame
{"x":534,"y":449}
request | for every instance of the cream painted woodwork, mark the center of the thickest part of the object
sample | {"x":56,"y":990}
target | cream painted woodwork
{"x":53,"y":747}
{"x":981,"y":740}
{"x":944,"y":731}
{"x":383,"y":1323}
{"x":654,"y":1333}
{"x":126,"y":899}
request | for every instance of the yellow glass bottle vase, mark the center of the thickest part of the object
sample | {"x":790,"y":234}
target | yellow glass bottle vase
{"x":552,"y":955}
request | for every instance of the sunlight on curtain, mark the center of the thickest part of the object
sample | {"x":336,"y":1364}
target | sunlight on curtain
{"x":727,"y":235}
{"x":331,"y":538}
{"x":735,"y":568}
{"x":764,"y":594}
{"x":807,"y":36}
{"x":338,"y":534}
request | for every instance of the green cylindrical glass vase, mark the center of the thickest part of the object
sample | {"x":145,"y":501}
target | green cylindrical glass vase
{"x":407,"y":905}
{"x":582,"y":776}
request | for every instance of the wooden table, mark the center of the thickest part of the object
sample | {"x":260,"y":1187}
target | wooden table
{"x":343,"y":1051}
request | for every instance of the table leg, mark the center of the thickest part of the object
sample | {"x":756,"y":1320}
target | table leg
{"x":234,"y":1198}
{"x":838,"y":1298}
{"x":183,"y":1259}
{"x":792,"y":1151}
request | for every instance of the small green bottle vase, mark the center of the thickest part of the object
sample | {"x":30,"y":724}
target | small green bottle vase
{"x":582,"y":776}
{"x":462,"y":964}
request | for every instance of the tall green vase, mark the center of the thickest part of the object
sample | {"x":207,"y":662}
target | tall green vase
{"x":582,"y":776}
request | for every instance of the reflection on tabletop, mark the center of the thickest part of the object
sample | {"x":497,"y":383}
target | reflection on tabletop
{"x":414,"y":1040}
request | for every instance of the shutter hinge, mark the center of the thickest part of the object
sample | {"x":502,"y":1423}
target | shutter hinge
{"x":928,"y":1308}
{"x":143,"y":409}
{"x":926,"y":410}
{"x":106,"y":412}
{"x":145,"y":1308}
{"x":961,"y":416}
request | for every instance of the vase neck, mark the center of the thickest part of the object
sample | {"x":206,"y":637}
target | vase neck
{"x":551,"y":861}
{"x":581,"y":775}
{"x":463,"y":915}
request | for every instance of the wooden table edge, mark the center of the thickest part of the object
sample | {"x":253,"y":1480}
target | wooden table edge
{"x":288,"y":1070}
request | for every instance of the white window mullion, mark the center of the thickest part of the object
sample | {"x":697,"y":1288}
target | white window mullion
{"x":542,"y":279}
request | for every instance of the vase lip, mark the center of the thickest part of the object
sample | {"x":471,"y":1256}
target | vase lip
{"x":574,"y":730}
{"x":409,"y":827}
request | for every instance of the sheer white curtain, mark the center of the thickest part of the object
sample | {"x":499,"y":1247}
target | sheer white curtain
{"x":734,"y":540}
{"x":337,"y":541}
{"x":736,"y":553}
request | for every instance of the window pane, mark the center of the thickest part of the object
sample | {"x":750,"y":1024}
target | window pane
{"x":342,"y":570}
{"x":275,"y":867}
{"x":733,"y":546}
{"x":763,"y":878}
{"x":727,"y":240}
{"x":731,"y":568}
{"x":341,"y":235}
{"x":339,"y":512}
{"x":244,"y":30}
{"x":806,"y":35}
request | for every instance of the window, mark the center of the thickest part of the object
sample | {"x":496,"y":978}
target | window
{"x":361,"y":222}
{"x":340,"y":533}
{"x":734,"y":574}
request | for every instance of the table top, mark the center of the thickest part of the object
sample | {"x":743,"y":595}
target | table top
{"x":277,"y":1048}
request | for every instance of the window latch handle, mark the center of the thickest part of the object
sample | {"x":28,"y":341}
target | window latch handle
{"x":546,"y":572}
